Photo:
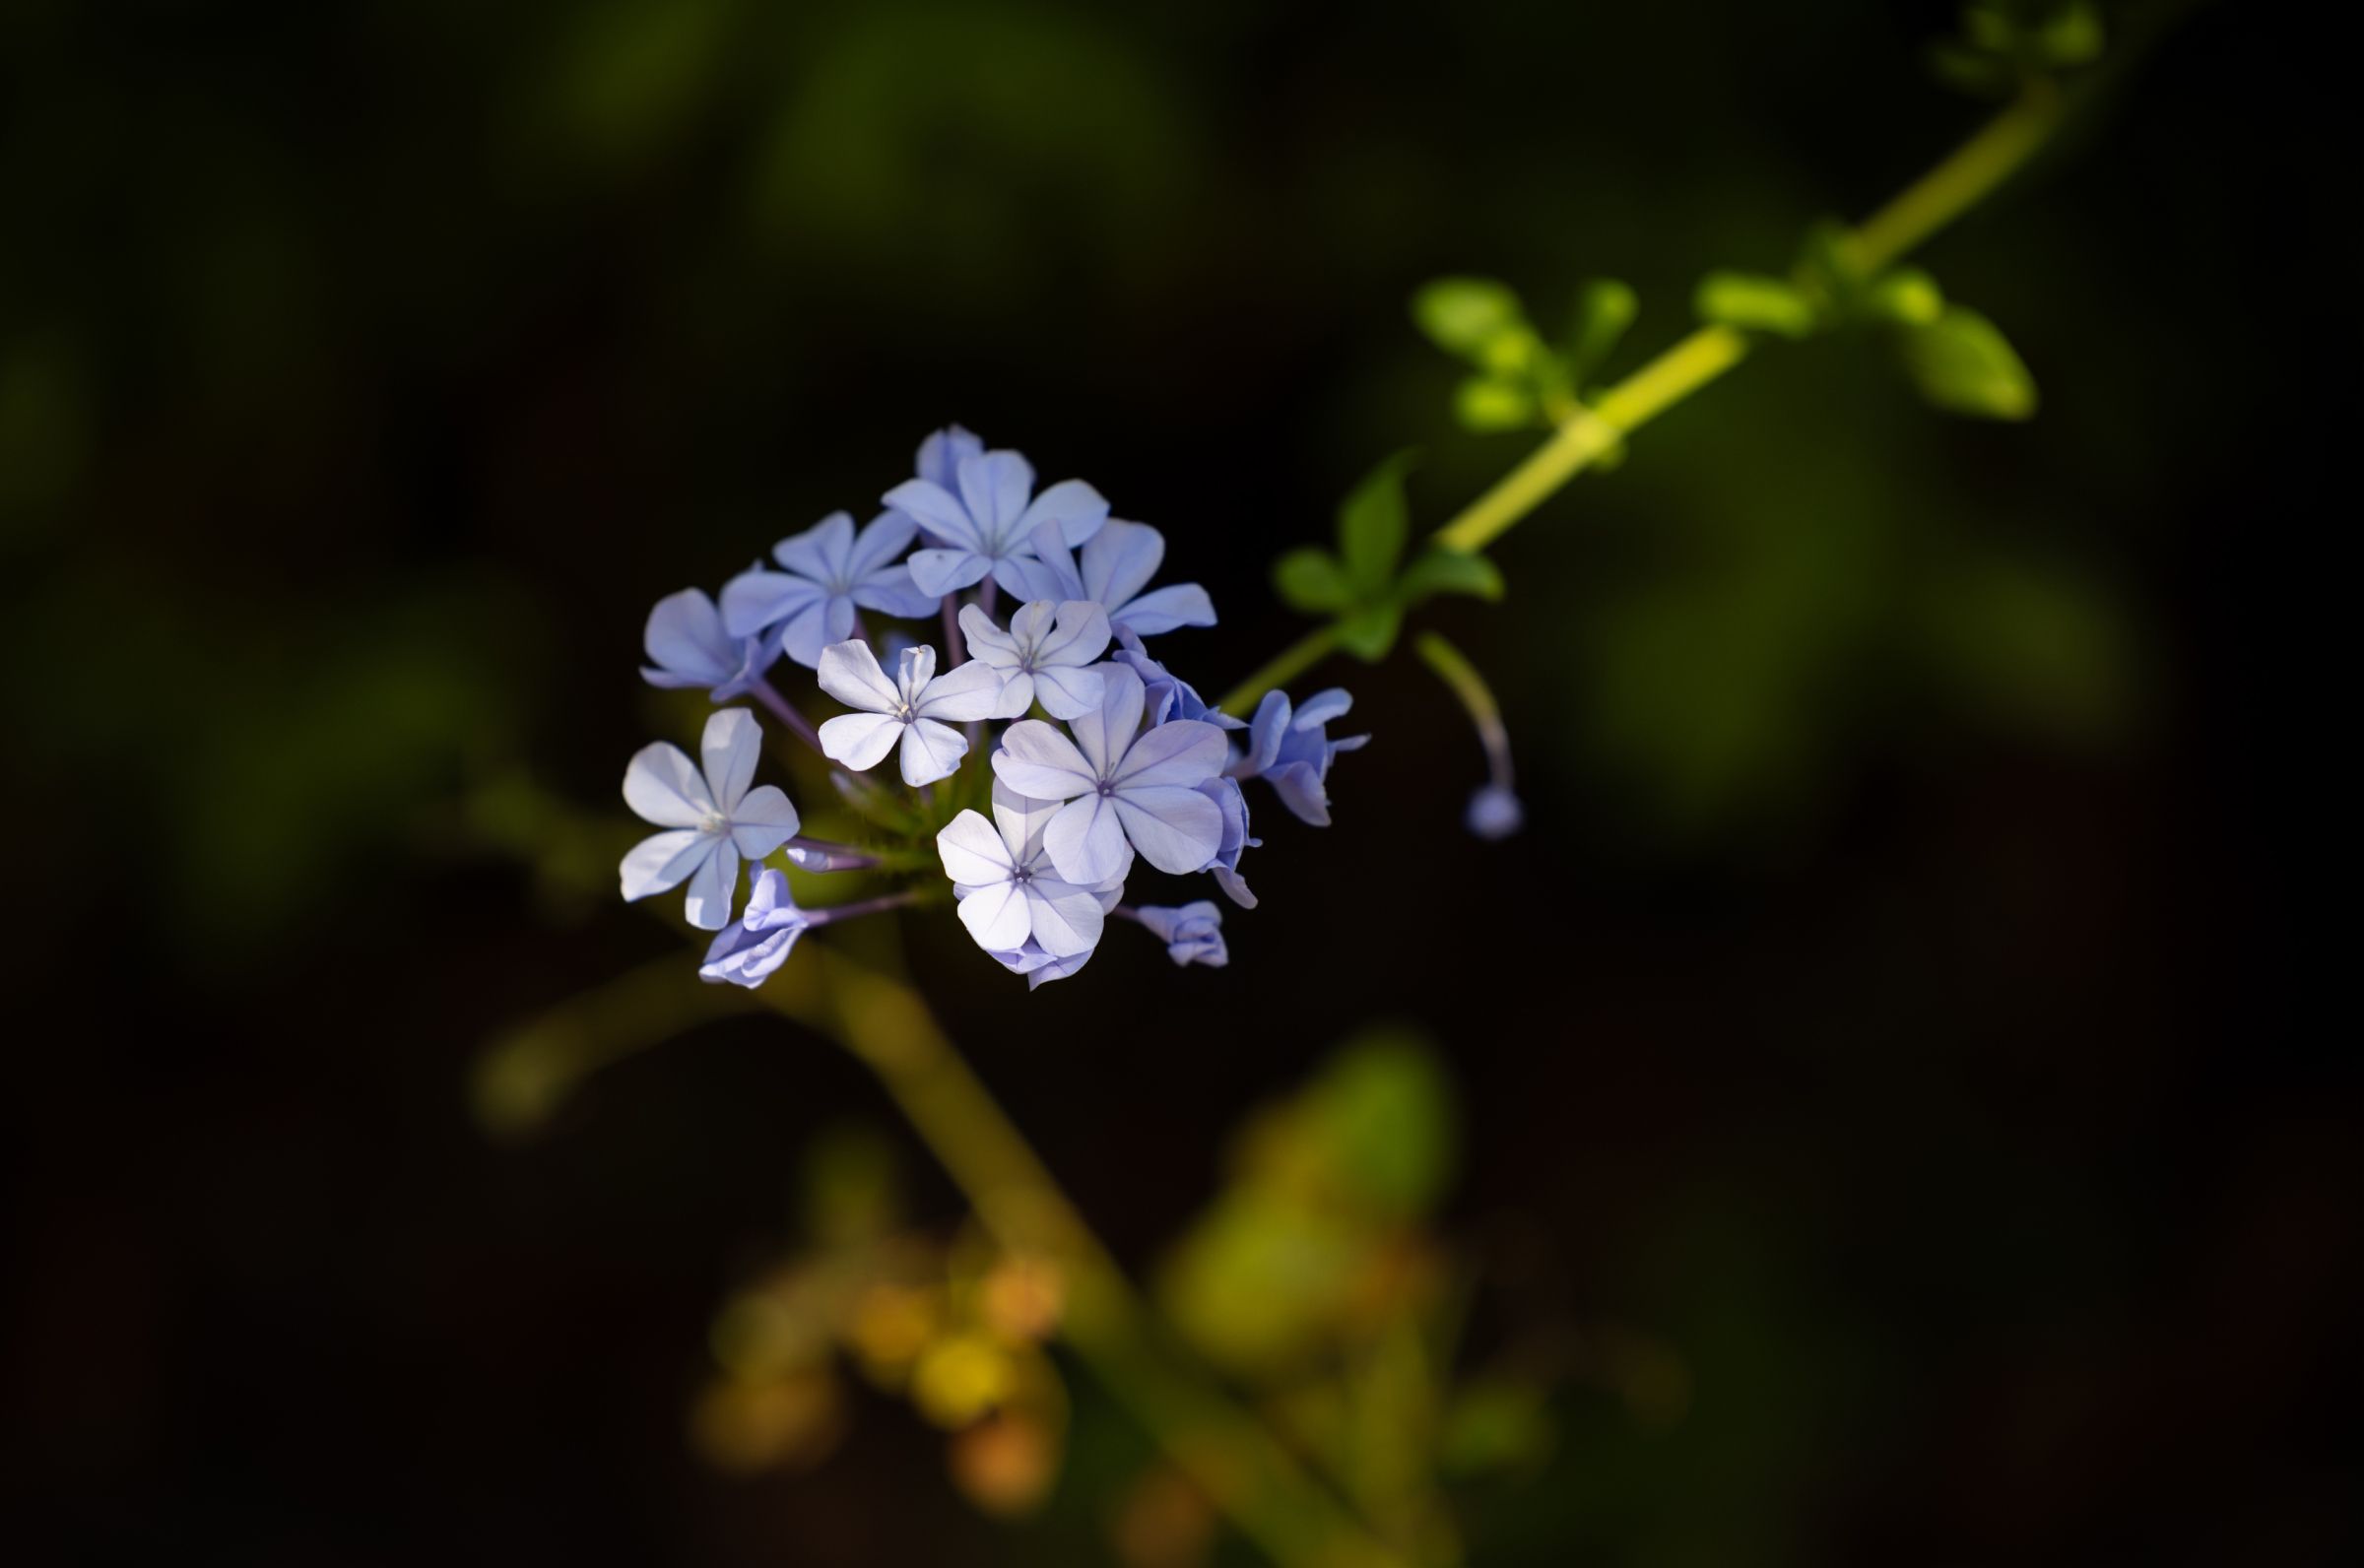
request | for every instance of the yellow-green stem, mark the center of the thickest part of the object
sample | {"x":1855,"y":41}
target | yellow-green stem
{"x":1928,"y":204}
{"x":1256,"y":1482}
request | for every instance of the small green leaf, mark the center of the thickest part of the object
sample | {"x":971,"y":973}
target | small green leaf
{"x":1438,"y":570}
{"x":1369,"y":631}
{"x":1963,"y":363}
{"x":1605,"y":308}
{"x":2071,"y":36}
{"x":1754,"y":303}
{"x":1483,"y":404}
{"x":1830,"y":277}
{"x":1908,"y":295}
{"x":1462,"y":315}
{"x":1374,"y":523}
{"x":1515,"y":351}
{"x":1311,"y":581}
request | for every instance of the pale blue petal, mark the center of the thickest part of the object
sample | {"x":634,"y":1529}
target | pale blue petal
{"x":1186,"y":751}
{"x":1036,"y":761}
{"x":941,"y":453}
{"x":1176,"y":829}
{"x":733,"y":742}
{"x":937,"y":572}
{"x":1066,"y":918}
{"x":1079,"y":637}
{"x":1068,"y":693}
{"x":975,"y":854}
{"x":1183,"y":604}
{"x":1076,"y":508}
{"x":850,"y":673}
{"x":664,"y":860}
{"x":994,"y":486}
{"x":757,"y":599}
{"x":1106,"y":731}
{"x":712,"y":886}
{"x":860,"y":741}
{"x":819,"y":552}
{"x":663,"y":786}
{"x":893,"y":591}
{"x":930,"y":751}
{"x":1299,"y":786}
{"x":815,"y":627}
{"x":935,"y":508}
{"x":686,"y":641}
{"x":1266,"y":730}
{"x":998,"y":916}
{"x":882,"y":543}
{"x":763,"y":821}
{"x":1020,"y":820}
{"x":1321,"y":708}
{"x":1086,"y":842}
{"x":1120,"y":560}
{"x":969,"y":693}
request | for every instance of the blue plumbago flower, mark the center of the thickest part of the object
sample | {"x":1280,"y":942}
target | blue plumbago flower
{"x":710,"y":815}
{"x":1040,"y":967}
{"x":917,"y":707}
{"x":1168,"y":697}
{"x":1192,"y":933}
{"x":1233,"y":802}
{"x":1495,"y":813}
{"x":1292,"y":752}
{"x":750,"y":948}
{"x":1010,"y":892}
{"x":828,"y":571}
{"x":1117,"y":563}
{"x":941,"y":453}
{"x":1121,"y":785}
{"x":1045,"y":656}
{"x":688,"y":647}
{"x":984,"y":520}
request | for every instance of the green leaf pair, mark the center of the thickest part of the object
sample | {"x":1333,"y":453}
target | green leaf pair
{"x":2005,"y":42}
{"x":1359,"y":588}
{"x":1519,"y":380}
{"x":1959,"y":359}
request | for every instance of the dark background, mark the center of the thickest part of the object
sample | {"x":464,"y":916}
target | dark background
{"x":1898,"y":1005}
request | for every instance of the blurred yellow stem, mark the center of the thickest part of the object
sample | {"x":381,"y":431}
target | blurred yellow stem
{"x":1928,"y":204}
{"x":1259,"y":1485}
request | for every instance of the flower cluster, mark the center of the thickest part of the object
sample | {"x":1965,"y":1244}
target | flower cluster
{"x":1103,"y":759}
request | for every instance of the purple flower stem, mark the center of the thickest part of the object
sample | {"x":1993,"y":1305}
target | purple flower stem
{"x":841,"y":857}
{"x":867,"y":906}
{"x":787,"y":715}
{"x":955,"y":653}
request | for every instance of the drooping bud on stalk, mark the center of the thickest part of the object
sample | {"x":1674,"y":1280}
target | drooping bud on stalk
{"x":1494,"y":812}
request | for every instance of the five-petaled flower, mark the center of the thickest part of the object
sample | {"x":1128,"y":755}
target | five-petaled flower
{"x":711,"y":816}
{"x":1192,"y":933}
{"x":984,"y":520}
{"x":1009,"y":891}
{"x":828,"y":571}
{"x":747,"y":949}
{"x":1117,"y":563}
{"x":1046,"y":656}
{"x":1292,"y":751}
{"x":918,"y":707}
{"x":688,"y":647}
{"x":1121,"y":784}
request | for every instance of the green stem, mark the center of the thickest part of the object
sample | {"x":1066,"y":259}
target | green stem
{"x":1256,"y":1482}
{"x":1963,"y":180}
{"x":1294,"y":660}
